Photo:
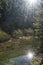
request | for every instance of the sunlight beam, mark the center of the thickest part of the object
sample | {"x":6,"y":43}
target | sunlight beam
{"x":31,"y":2}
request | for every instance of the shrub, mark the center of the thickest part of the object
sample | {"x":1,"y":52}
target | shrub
{"x":17,"y":33}
{"x":4,"y":36}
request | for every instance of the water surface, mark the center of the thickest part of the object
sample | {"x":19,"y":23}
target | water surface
{"x":21,"y":60}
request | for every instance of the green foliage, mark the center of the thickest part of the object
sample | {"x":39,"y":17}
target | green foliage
{"x":4,"y":36}
{"x":28,"y":32}
{"x":38,"y":25}
{"x":17,"y":33}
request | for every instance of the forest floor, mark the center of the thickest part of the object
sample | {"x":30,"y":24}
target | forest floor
{"x":17,"y":47}
{"x":14,"y":47}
